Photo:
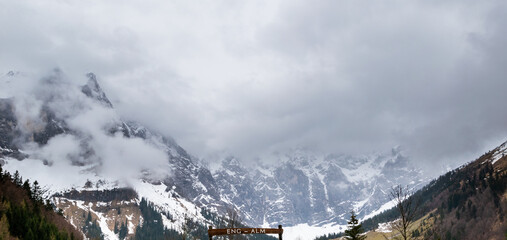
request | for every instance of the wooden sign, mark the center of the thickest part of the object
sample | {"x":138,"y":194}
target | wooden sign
{"x":232,"y":231}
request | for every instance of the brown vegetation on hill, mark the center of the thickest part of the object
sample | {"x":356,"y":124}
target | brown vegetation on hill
{"x":469,"y":202}
{"x":472,"y":204}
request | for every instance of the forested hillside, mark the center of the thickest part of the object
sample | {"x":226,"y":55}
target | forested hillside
{"x":25,"y":215}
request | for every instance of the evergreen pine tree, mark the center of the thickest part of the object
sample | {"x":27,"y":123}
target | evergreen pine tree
{"x":354,"y":229}
{"x":36,"y":191}
{"x":17,"y":179}
{"x":123,"y":231}
{"x":28,"y":189}
{"x":115,"y":229}
{"x":89,"y":217}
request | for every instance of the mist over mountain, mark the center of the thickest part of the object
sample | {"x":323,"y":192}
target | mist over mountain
{"x":65,"y":124}
{"x":69,"y":136}
{"x":158,"y":119}
{"x":249,"y":78}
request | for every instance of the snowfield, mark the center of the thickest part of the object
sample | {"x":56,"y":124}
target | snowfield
{"x":306,"y":232}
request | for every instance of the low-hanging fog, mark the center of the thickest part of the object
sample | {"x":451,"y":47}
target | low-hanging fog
{"x":261,"y":76}
{"x":88,"y":140}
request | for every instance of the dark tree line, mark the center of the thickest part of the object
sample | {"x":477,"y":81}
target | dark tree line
{"x":121,"y":230}
{"x":25,"y":214}
{"x":152,"y":226}
{"x":92,"y":229}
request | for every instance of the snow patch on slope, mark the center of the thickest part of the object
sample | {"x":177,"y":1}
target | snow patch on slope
{"x":384,"y":227}
{"x":501,"y":152}
{"x":102,"y":220}
{"x":167,"y":200}
{"x":364,"y":172}
{"x":307,"y":232}
{"x":108,"y":234}
{"x":384,"y":207}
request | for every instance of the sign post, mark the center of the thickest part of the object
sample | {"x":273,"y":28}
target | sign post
{"x":233,"y":231}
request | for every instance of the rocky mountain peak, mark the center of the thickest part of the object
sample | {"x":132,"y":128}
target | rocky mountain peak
{"x":93,"y":90}
{"x":231,"y":163}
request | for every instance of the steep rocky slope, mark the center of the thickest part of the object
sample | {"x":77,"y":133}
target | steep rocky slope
{"x":307,"y":188}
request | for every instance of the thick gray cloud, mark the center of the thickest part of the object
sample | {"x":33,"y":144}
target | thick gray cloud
{"x":258,"y":76}
{"x":89,"y":142}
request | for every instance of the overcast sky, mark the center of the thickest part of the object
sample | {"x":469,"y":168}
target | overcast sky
{"x":250,"y":77}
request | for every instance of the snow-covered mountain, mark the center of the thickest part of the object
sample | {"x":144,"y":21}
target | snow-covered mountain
{"x":69,"y":137}
{"x":305,"y":187}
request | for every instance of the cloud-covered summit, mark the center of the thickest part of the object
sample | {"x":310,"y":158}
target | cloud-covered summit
{"x":59,"y":122}
{"x":251,"y":77}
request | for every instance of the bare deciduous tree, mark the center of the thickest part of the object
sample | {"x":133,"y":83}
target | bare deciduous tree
{"x":233,"y":219}
{"x":184,"y":228}
{"x":407,"y":206}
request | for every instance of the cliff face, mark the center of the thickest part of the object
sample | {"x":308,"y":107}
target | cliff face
{"x":303,"y":187}
{"x":8,"y":130}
